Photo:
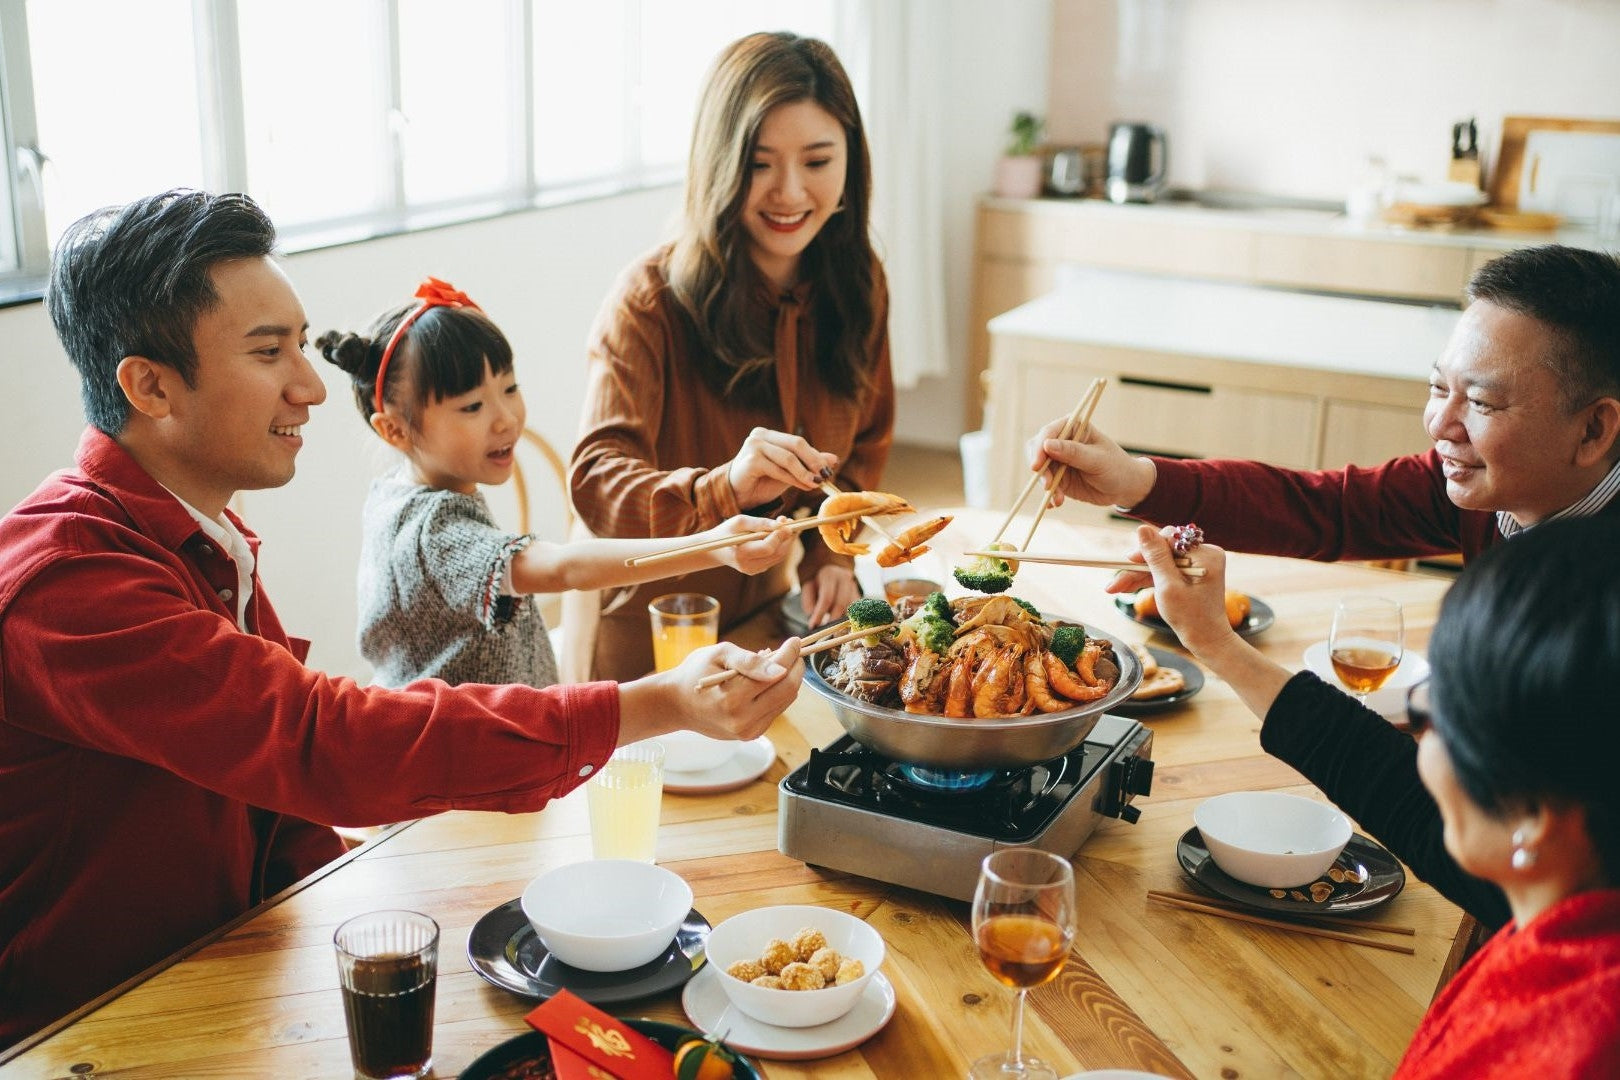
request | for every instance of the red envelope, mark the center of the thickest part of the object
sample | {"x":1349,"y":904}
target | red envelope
{"x":606,"y":1042}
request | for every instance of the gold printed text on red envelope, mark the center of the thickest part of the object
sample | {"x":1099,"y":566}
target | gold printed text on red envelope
{"x":608,"y":1040}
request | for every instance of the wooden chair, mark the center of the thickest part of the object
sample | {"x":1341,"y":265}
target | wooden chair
{"x":1470,"y":936}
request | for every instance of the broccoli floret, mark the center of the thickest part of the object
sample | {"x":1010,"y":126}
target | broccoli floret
{"x":985,"y":573}
{"x":868,"y":611}
{"x":1067,"y":641}
{"x":938,"y":606}
{"x":934,"y":633}
{"x":1029,"y":607}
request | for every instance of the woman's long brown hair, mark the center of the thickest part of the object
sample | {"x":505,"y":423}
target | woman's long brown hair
{"x":709,"y":269}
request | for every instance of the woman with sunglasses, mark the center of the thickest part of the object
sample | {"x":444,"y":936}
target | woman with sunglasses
{"x":1509,"y":802}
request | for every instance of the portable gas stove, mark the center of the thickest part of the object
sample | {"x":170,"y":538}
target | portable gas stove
{"x":850,"y":808}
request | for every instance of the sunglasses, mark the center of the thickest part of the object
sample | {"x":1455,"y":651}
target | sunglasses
{"x":1419,"y":715}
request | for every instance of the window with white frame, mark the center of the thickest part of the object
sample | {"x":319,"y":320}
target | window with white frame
{"x":350,"y":118}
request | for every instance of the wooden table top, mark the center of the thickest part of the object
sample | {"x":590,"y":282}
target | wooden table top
{"x":1146,"y":986}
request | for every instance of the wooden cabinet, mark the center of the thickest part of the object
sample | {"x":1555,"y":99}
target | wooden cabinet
{"x":1021,"y":243}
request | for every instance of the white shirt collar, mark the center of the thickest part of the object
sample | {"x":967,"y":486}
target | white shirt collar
{"x":233,"y":543}
{"x":1593,"y":502}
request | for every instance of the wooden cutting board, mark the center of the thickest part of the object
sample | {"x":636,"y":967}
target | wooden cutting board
{"x":1504,"y":190}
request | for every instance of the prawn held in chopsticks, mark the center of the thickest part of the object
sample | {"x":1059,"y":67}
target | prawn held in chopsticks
{"x":912,"y":542}
{"x":840,"y":535}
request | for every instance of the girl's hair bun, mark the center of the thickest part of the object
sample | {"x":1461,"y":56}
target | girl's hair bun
{"x":347,"y":351}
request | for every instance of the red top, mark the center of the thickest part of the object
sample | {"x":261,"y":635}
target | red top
{"x":1542,"y":1001}
{"x":161,"y":770}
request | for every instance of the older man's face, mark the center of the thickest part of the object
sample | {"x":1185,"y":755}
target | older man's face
{"x":1497,"y":417}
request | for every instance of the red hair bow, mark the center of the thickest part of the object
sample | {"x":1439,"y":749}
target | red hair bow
{"x":431,"y":293}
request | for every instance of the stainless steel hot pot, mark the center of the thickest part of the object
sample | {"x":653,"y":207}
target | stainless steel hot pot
{"x":945,"y":742}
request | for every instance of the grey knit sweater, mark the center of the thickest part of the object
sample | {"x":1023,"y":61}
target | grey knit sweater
{"x":433,"y":603}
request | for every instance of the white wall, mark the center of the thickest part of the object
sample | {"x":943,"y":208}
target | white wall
{"x":997,"y":65}
{"x":1284,"y":97}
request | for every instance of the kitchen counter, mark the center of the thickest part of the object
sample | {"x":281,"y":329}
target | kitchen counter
{"x":1154,"y":313}
{"x":1300,"y":218}
{"x":1147,"y":987}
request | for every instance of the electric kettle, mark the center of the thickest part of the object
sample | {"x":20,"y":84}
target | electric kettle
{"x":1138,"y":160}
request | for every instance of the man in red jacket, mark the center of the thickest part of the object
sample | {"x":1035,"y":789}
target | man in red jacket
{"x":1524,"y":412}
{"x":165,"y":755}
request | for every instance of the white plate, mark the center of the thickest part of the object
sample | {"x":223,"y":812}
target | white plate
{"x":710,"y":1010}
{"x":747,"y":763}
{"x":1388,"y":700}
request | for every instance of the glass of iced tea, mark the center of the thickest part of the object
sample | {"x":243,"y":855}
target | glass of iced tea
{"x":388,"y":964}
{"x":1365,"y":644}
{"x":682,"y":622}
{"x":624,"y":799}
{"x":1023,"y":922}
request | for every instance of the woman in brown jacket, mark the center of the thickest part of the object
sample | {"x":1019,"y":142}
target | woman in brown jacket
{"x":747,"y":362}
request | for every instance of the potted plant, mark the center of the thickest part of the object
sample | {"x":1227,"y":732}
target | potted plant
{"x":1018,"y":172}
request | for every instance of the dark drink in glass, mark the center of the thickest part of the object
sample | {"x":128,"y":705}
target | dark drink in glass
{"x":387,"y":968}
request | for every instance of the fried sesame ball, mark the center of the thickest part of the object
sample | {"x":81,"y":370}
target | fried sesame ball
{"x":777,"y":955}
{"x":801,"y":976}
{"x":826,"y":961}
{"x":807,"y":941}
{"x":746,"y":970}
{"x":849,"y":971}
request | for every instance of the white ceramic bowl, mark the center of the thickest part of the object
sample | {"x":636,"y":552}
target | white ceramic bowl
{"x":687,"y":751}
{"x":1271,"y":839}
{"x":1389,"y":700}
{"x":607,"y":914}
{"x":744,"y":936}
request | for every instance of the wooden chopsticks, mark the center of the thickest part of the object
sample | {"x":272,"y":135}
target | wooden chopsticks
{"x":796,"y":525}
{"x":819,"y":647}
{"x":1304,"y":924}
{"x":1060,"y":559}
{"x":1082,"y":408}
{"x":1079,"y":430}
{"x":833,"y":489}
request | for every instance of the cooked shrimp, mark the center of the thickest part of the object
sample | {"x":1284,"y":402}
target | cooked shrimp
{"x":1065,"y":682}
{"x":959,"y":691}
{"x":840,"y":535}
{"x":1040,"y":693}
{"x":998,"y":686}
{"x":911,"y":542}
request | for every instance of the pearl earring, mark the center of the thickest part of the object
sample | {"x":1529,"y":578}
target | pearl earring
{"x":1523,"y":857}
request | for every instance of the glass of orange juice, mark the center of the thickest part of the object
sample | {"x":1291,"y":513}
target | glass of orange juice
{"x":682,"y":622}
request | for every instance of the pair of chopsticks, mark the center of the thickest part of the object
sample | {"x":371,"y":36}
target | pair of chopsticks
{"x":1078,"y":424}
{"x":795,"y":525}
{"x":1304,"y":924}
{"x":1060,"y":559}
{"x":833,"y":489}
{"x":821,"y":646}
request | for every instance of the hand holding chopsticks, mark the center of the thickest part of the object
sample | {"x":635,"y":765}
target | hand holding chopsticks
{"x":1313,"y":928}
{"x":823,"y":645}
{"x":1078,"y":424}
{"x":1060,"y":559}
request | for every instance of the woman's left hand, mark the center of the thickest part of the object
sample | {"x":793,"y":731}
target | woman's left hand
{"x":828,"y":593}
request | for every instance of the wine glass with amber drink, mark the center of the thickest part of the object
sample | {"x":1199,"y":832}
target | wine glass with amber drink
{"x":1023,"y":922}
{"x":1365,"y":644}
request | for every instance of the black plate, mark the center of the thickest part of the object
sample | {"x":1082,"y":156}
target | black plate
{"x":1383,"y":878}
{"x":533,"y":1044}
{"x":505,"y":950}
{"x":1191,"y":673}
{"x":1260,"y":617}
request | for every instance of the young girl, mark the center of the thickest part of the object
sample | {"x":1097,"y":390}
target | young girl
{"x":748,"y":361}
{"x":444,"y":591}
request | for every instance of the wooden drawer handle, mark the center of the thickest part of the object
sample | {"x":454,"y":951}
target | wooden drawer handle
{"x":1160,"y":384}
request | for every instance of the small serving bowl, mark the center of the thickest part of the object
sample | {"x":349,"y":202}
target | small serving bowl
{"x":607,"y":914}
{"x":688,"y":751}
{"x":744,"y":936}
{"x":1271,"y":839}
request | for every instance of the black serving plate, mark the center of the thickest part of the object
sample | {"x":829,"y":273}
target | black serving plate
{"x":533,"y":1046}
{"x":1191,"y":674}
{"x":504,"y":949}
{"x":1260,"y":617}
{"x":1382,"y":879}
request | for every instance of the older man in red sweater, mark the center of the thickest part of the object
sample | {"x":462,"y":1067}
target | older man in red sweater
{"x":1524,"y":412}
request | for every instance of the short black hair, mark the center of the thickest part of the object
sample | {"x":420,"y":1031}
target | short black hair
{"x":1575,"y":292}
{"x":1524,"y":659}
{"x":132,"y":281}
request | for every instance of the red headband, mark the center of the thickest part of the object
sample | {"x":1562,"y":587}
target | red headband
{"x":432,"y":293}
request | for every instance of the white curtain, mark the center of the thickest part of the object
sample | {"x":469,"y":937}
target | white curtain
{"x":893,"y":51}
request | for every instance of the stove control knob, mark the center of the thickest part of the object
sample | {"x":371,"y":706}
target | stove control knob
{"x":1136,"y":776}
{"x":1129,"y":814}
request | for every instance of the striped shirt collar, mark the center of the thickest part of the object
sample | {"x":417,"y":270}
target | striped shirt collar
{"x":1594,"y":501}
